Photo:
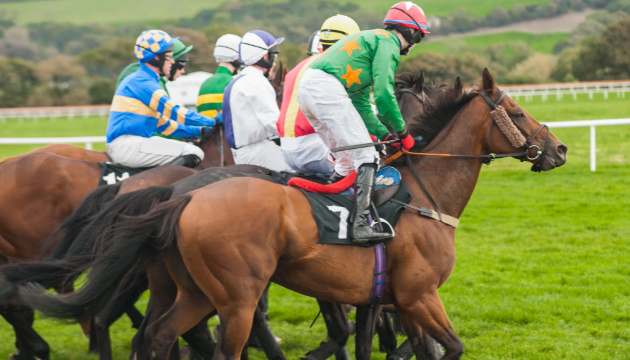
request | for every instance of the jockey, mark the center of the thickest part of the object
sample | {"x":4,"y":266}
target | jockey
{"x":180,"y":55}
{"x":249,"y":105}
{"x":210,"y":99}
{"x":334,"y":94}
{"x":302,"y":148}
{"x":141,"y":108}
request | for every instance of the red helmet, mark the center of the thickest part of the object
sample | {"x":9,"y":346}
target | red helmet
{"x":407,"y":14}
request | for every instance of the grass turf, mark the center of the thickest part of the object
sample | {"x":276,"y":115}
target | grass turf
{"x":541,"y":270}
{"x":122,"y":11}
{"x":543,"y":43}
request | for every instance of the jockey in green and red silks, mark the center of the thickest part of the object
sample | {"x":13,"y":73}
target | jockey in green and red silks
{"x":334,"y":95}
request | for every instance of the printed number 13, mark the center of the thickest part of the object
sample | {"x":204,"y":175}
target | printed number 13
{"x":343,"y":220}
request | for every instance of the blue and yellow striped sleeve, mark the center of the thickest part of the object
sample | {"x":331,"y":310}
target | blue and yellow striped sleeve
{"x":162,"y":103}
{"x":169,"y":127}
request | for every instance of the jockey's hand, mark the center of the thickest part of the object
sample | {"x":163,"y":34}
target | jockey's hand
{"x":407,"y":140}
{"x":219,"y":118}
{"x":391,"y":137}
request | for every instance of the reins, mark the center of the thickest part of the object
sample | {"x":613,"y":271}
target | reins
{"x":488,"y":158}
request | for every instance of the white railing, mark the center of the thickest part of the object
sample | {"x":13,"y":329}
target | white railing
{"x":592,"y":124}
{"x":559,"y":90}
{"x":53,"y":112}
{"x":89,"y":140}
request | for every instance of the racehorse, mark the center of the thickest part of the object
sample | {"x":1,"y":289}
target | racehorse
{"x":49,"y":275}
{"x":265,"y":232}
{"x":64,"y":158}
{"x":42,"y":189}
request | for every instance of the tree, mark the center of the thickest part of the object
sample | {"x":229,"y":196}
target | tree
{"x":110,"y":59}
{"x":62,"y":81}
{"x":18,"y":81}
{"x":615,"y":49}
{"x":201,"y":57}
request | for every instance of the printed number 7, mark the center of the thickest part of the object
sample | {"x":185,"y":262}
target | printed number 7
{"x":343,"y":220}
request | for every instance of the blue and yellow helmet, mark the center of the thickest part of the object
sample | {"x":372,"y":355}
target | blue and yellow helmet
{"x":150,"y":43}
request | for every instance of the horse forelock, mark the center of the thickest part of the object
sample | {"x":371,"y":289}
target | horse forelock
{"x":409,"y":78}
{"x":438,"y":115}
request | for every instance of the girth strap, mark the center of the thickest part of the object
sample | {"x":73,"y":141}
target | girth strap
{"x":446,"y":219}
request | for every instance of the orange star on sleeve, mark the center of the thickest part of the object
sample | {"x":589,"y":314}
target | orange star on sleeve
{"x":352,"y":76}
{"x":350,"y":46}
{"x":382,"y":32}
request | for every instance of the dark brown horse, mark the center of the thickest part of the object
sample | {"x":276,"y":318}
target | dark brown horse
{"x":217,"y":153}
{"x":265,"y":232}
{"x":42,"y":189}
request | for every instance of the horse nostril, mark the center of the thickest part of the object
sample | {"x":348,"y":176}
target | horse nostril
{"x":562,"y":149}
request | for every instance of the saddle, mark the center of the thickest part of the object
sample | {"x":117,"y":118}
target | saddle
{"x":112,"y":173}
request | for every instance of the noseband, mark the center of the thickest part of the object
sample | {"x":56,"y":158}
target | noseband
{"x":537,"y":167}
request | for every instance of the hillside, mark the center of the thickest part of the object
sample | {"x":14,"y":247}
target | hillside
{"x":125,"y":11}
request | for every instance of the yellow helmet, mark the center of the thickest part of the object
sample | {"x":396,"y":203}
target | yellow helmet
{"x":336,"y":28}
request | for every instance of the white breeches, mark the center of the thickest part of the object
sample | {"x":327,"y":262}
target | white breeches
{"x":325,"y":103}
{"x":137,"y":151}
{"x":264,"y":153}
{"x":307,"y":155}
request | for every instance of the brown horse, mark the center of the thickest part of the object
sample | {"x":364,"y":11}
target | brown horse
{"x":217,"y":153}
{"x":48,"y":188}
{"x":265,"y":232}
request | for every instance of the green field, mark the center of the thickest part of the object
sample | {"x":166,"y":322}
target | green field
{"x":542,"y":259}
{"x":542,"y":43}
{"x":121,"y":11}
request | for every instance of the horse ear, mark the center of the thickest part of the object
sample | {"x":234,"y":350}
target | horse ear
{"x":420,"y":82}
{"x":488,"y":81}
{"x":285,"y":70}
{"x":459,"y":88}
{"x":433,"y":81}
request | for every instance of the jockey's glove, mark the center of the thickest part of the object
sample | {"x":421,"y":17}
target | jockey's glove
{"x":407,"y":140}
{"x":391,"y":137}
{"x":219,"y":118}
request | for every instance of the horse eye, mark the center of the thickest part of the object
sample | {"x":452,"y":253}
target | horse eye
{"x":519,"y":115}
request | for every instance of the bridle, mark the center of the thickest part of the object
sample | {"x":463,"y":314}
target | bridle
{"x":537,"y":167}
{"x":528,"y":143}
{"x":218,"y":144}
{"x":489,"y":157}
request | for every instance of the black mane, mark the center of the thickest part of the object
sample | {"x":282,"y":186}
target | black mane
{"x":435,"y":118}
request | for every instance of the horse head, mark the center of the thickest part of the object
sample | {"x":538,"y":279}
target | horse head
{"x":519,"y":131}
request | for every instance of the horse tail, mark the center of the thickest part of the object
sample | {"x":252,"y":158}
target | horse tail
{"x":80,"y":241}
{"x":80,"y":217}
{"x":135,"y":243}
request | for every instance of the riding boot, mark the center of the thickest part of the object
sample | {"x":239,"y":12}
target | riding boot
{"x":361,"y":230}
{"x":190,"y":161}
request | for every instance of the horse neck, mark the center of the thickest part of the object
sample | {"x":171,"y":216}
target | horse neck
{"x":450,"y":180}
{"x":212,"y":157}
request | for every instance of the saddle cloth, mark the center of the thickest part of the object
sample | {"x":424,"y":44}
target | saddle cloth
{"x":113,"y":173}
{"x":332,"y":213}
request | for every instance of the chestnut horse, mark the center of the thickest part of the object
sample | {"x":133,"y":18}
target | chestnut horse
{"x":223,"y":243}
{"x":65,"y":158}
{"x":42,"y":189}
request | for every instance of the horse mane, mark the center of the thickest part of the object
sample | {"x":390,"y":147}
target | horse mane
{"x":437,"y":116}
{"x":409,"y":78}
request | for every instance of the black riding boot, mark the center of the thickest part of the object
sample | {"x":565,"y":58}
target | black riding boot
{"x":190,"y":161}
{"x":361,"y":230}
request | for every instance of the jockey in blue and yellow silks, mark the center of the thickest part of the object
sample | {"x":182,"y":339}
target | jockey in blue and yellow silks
{"x":141,"y":108}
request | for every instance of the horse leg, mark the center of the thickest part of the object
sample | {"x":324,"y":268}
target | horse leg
{"x":200,"y":340}
{"x":425,"y":318}
{"x":28,"y":343}
{"x":386,"y":335}
{"x":189,"y":308}
{"x":336,"y":320}
{"x":265,"y":336}
{"x":367,"y":315}
{"x":135,"y":316}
